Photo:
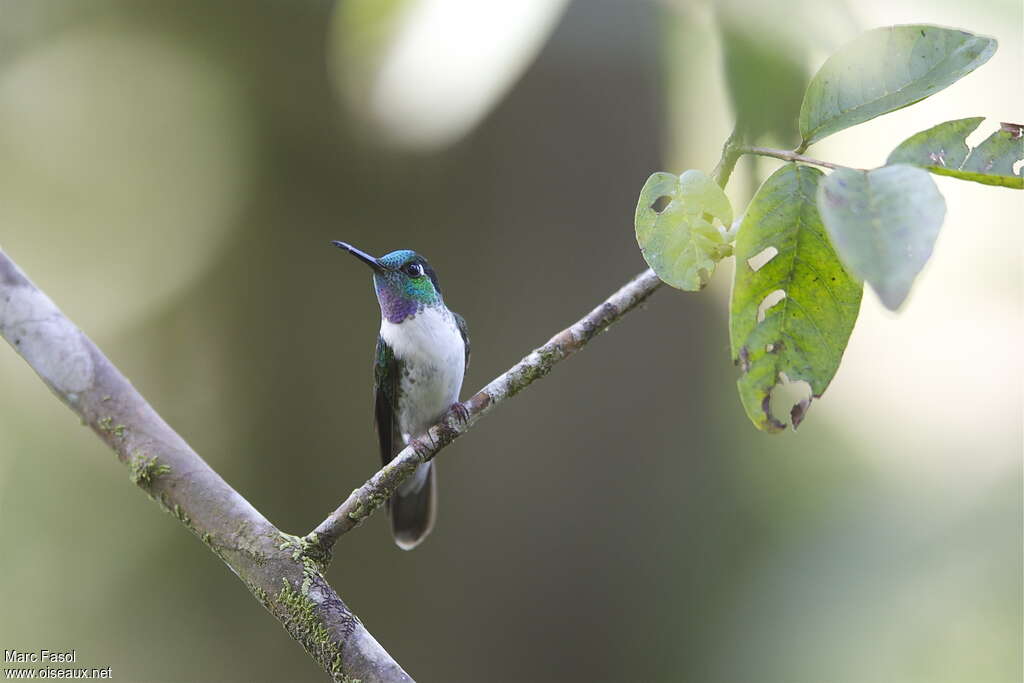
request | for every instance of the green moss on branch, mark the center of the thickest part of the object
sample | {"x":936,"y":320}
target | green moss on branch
{"x":145,"y":471}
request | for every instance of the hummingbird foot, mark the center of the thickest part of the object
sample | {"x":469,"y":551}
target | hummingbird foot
{"x":460,"y":412}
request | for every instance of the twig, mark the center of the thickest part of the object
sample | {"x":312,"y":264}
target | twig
{"x":788,"y":156}
{"x":369,"y":497}
{"x":283,"y":572}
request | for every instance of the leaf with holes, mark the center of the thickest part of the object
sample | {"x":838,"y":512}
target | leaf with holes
{"x":943,"y":150}
{"x":793,"y":304}
{"x":884,"y":70}
{"x":679,"y":223}
{"x":883,"y":224}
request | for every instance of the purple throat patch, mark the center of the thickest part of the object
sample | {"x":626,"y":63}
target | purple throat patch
{"x":395,"y":307}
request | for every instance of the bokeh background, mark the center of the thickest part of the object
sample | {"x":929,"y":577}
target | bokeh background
{"x":170,"y":174}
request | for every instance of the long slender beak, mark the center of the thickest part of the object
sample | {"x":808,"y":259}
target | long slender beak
{"x":361,"y":255}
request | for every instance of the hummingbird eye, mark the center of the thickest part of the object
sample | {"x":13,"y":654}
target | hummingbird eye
{"x":414,"y":270}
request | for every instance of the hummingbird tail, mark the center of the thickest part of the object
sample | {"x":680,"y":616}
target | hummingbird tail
{"x":414,"y":508}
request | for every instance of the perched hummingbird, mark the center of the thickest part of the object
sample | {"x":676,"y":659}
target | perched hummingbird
{"x":422,"y":355}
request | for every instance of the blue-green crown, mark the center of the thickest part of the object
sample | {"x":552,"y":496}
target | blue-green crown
{"x":398,"y":258}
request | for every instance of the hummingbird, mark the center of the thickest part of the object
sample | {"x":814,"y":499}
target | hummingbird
{"x":421,"y":359}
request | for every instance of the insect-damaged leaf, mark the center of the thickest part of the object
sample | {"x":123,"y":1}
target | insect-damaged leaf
{"x":943,"y":150}
{"x":886,"y":69}
{"x":883,"y":224}
{"x":676,"y":227}
{"x":803,"y":336}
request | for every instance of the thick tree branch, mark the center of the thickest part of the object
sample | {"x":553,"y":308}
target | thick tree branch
{"x":283,"y":572}
{"x":369,"y":497}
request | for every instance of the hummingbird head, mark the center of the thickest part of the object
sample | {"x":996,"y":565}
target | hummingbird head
{"x":404,"y":281}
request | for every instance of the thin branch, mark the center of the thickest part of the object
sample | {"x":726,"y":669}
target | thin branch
{"x":732,"y":150}
{"x":283,"y":572}
{"x":369,"y":497}
{"x":788,"y":156}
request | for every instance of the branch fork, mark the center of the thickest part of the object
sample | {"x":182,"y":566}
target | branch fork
{"x":284,"y":573}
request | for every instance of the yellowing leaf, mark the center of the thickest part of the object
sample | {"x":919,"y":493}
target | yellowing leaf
{"x":793,"y":304}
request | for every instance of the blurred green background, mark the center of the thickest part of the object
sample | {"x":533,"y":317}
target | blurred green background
{"x":171,"y":173}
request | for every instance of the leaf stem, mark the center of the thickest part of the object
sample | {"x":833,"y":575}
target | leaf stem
{"x":788,"y":156}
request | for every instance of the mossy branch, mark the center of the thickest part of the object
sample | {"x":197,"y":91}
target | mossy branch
{"x":286,"y":577}
{"x":372,"y":495}
{"x":283,"y":572}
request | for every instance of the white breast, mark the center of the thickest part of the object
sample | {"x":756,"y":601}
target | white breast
{"x":430,"y":347}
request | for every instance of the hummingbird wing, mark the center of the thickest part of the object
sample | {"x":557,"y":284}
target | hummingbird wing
{"x":413,"y":506}
{"x":464,"y":331}
{"x":385,"y":398}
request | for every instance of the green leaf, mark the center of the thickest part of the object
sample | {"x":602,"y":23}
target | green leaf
{"x":884,"y":70}
{"x":678,"y":220}
{"x":943,"y":150}
{"x":803,"y":336}
{"x":883,"y":224}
